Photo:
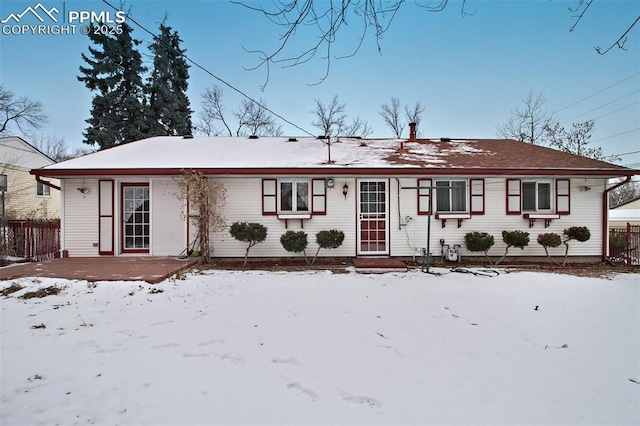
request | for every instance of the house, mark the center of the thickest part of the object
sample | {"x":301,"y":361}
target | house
{"x":379,"y":192}
{"x":623,"y":213}
{"x":26,"y":197}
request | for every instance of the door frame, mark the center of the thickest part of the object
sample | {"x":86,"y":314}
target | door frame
{"x":123,"y":248}
{"x":359,"y":218}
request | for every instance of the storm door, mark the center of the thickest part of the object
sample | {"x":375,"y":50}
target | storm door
{"x":373,"y":217}
{"x":135,"y":218}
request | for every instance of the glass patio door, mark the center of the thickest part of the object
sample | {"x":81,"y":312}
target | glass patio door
{"x":135,"y":218}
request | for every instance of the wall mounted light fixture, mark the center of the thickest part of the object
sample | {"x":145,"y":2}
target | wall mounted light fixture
{"x":345,"y":190}
{"x":83,"y":190}
{"x":585,"y":188}
{"x":330,"y":183}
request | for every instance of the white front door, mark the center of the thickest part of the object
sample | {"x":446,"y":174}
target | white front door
{"x":373,"y":217}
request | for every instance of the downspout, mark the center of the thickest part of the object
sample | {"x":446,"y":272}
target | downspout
{"x":605,"y":216}
{"x":46,"y":183}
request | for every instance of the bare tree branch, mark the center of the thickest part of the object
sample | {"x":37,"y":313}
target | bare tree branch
{"x":579,"y":17}
{"x":414,"y":114}
{"x":390,"y":114}
{"x":331,"y":118}
{"x":254,"y":119}
{"x":358,"y":128}
{"x":621,"y":41}
{"x":212,"y":111}
{"x":24,"y":113}
{"x":527,"y":123}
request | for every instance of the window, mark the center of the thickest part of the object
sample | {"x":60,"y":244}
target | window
{"x":43,"y":190}
{"x":294,"y":196}
{"x":451,"y":196}
{"x":536,"y":196}
{"x":291,"y":196}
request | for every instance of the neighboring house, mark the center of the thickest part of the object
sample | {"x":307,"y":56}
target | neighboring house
{"x":124,"y":200}
{"x":26,"y":198}
{"x":623,"y":213}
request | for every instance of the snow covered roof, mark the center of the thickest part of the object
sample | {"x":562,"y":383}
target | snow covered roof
{"x":239,"y":155}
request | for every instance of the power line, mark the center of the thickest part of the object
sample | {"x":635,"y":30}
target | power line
{"x":618,"y":134}
{"x":597,"y":93}
{"x":602,"y":106}
{"x":221,"y":80}
{"x":619,"y":109}
{"x":628,"y":153}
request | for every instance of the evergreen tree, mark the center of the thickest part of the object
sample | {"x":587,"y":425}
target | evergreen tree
{"x":114,"y":71}
{"x":170,"y":114}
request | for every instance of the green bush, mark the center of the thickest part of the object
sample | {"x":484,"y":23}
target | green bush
{"x":518,"y":239}
{"x":295,"y":242}
{"x":618,"y":242}
{"x":330,"y":239}
{"x":549,"y":240}
{"x":248,"y":232}
{"x":479,"y":241}
{"x":578,"y":233}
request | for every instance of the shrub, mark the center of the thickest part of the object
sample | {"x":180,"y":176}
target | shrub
{"x":330,"y":239}
{"x":518,"y":239}
{"x":549,"y":240}
{"x":295,"y":242}
{"x":479,"y":241}
{"x":248,"y":232}
{"x":578,"y":233}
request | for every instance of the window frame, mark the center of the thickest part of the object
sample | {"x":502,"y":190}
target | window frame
{"x":42,"y":190}
{"x":465,"y":198}
{"x":295,"y":210}
{"x":537,"y":182}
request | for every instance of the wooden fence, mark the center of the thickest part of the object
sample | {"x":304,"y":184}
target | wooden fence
{"x":624,"y":245}
{"x":32,"y":239}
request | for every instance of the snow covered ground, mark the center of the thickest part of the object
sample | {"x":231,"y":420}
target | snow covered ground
{"x":320,"y":348}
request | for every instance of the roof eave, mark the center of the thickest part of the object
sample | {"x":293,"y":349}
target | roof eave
{"x":344,"y":171}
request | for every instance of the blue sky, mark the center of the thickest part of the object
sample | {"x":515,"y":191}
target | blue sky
{"x":469,"y":72}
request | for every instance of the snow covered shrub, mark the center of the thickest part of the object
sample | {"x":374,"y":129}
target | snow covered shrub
{"x":518,"y":239}
{"x":330,"y":239}
{"x":479,"y":241}
{"x":547,"y":240}
{"x":578,"y":233}
{"x":295,"y":242}
{"x":248,"y":232}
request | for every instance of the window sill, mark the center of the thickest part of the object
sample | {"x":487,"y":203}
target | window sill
{"x":294,"y":216}
{"x":547,"y":217}
{"x":458,"y":216}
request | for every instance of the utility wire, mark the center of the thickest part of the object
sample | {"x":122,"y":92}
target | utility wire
{"x":619,"y":109}
{"x":628,"y":153}
{"x":597,"y":93}
{"x":221,"y":80}
{"x":618,"y":134}
{"x":602,"y":106}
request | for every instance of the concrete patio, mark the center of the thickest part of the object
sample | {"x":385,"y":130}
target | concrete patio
{"x":150,"y":269}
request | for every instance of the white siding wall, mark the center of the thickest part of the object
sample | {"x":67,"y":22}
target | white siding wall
{"x":168,"y":226}
{"x":494,"y":221}
{"x":244,"y":203}
{"x":80,"y":217}
{"x":408,"y":230}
